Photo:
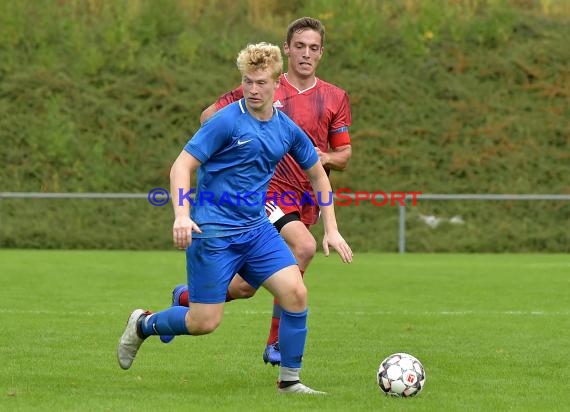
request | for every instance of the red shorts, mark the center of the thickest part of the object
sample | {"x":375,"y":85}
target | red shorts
{"x":279,"y":204}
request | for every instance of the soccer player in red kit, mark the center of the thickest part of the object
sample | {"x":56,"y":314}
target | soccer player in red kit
{"x":322,"y":110}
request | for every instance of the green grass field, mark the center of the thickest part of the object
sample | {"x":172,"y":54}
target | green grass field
{"x":491,"y":330}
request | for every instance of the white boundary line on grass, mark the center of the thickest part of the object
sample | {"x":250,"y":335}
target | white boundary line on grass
{"x":430,"y":313}
{"x":338,"y":313}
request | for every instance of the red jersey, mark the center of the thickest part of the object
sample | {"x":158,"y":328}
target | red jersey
{"x":323,"y":112}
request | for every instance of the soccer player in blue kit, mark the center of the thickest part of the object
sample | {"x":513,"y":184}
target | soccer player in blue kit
{"x":235,"y":153}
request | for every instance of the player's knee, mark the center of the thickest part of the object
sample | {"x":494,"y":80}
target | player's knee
{"x":241,"y":290}
{"x":299,"y":297}
{"x":203,"y":325}
{"x":244,"y":291}
{"x":305,"y":250}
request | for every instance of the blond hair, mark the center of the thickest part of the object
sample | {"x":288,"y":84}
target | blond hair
{"x":260,"y":56}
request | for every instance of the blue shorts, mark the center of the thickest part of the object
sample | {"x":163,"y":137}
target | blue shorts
{"x":211,"y":263}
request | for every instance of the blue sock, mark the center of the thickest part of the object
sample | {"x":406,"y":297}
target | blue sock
{"x":292,"y":336}
{"x":171,"y":321}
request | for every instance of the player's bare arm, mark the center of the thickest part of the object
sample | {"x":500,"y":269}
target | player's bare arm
{"x":337,"y":158}
{"x":207,"y":113}
{"x":180,"y":177}
{"x":332,"y":237}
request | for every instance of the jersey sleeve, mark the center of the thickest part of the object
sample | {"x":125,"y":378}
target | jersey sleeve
{"x":210,"y":138}
{"x":230,"y":97}
{"x":338,"y":132}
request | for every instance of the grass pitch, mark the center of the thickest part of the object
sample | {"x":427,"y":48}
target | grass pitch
{"x":492,"y":332}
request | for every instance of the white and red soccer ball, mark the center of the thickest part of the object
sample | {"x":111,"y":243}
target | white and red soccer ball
{"x":401,"y":374}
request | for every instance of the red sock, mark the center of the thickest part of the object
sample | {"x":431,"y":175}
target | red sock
{"x":183,"y":299}
{"x":274,"y":330}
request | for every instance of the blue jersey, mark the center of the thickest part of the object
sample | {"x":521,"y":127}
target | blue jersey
{"x":239,"y":154}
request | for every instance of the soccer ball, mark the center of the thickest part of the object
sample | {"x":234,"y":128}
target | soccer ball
{"x":401,"y":375}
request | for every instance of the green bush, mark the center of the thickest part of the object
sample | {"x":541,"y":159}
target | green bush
{"x":447,"y":97}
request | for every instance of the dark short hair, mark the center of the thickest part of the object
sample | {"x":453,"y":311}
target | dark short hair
{"x":306,"y":23}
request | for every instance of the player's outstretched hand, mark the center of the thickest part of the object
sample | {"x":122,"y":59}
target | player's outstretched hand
{"x":336,"y":241}
{"x":182,"y":231}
